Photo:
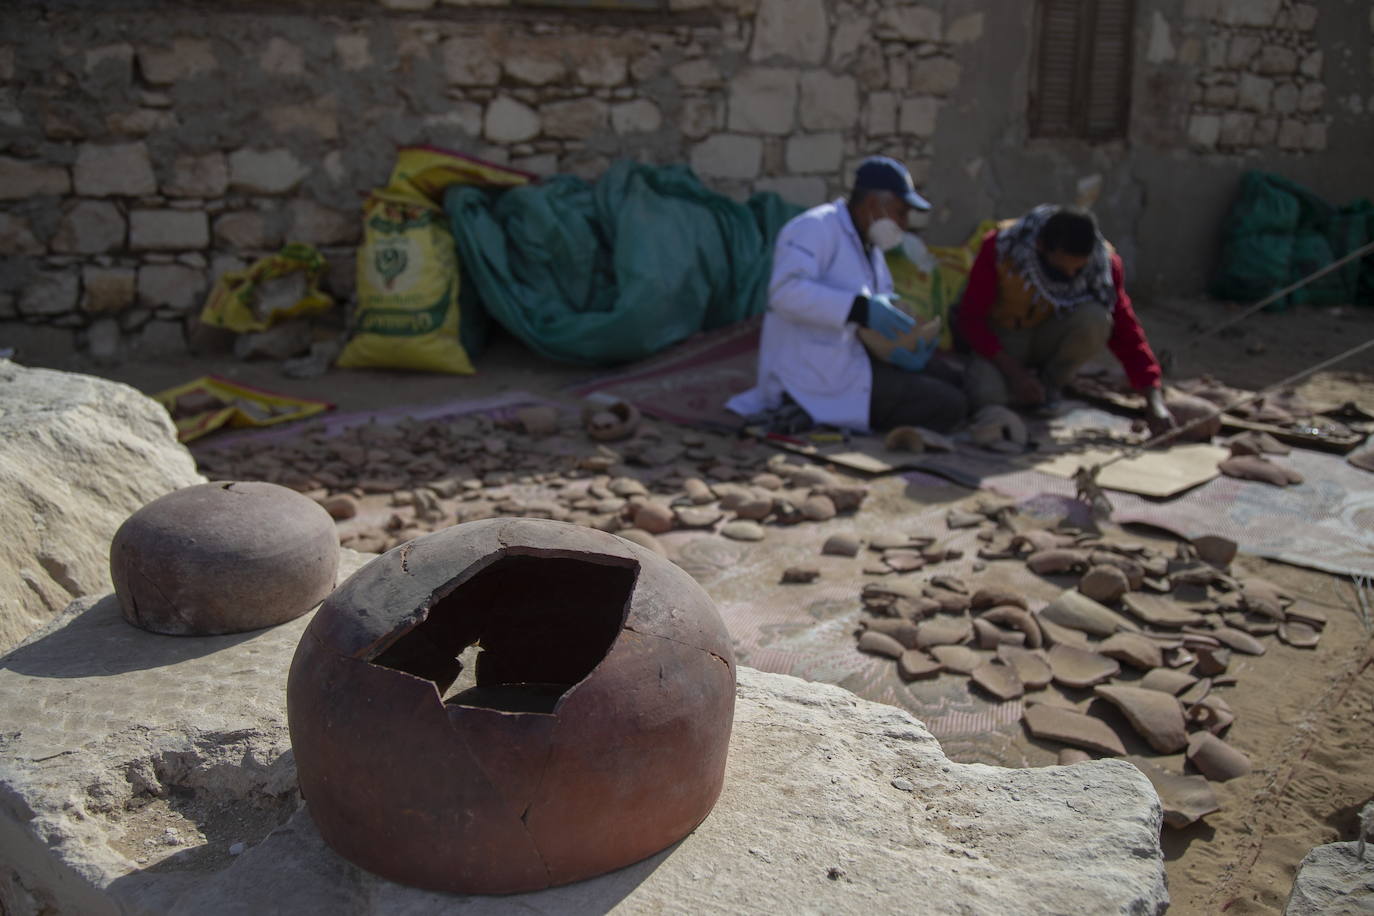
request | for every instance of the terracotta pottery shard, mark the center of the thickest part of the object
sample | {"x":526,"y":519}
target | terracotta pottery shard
{"x":697,"y":516}
{"x":889,"y":591}
{"x":998,"y":679}
{"x":1017,"y":619}
{"x":944,"y":631}
{"x":891,"y":540}
{"x":743,"y":530}
{"x":915,"y":664}
{"x":1161,"y":612}
{"x":1196,"y":693}
{"x":1050,"y":697}
{"x":1253,"y":467}
{"x":990,"y":636}
{"x":1156,"y":715}
{"x":818,"y":508}
{"x":1364,"y":460}
{"x":1168,"y":680}
{"x":904,"y":439}
{"x":1187,"y":408}
{"x":1241,"y":642}
{"x":953,"y":583}
{"x":1133,"y":649}
{"x":959,"y":659}
{"x":1133,"y":571}
{"x":1179,"y":657}
{"x":877,"y":569}
{"x":904,"y":631}
{"x":875,"y":643}
{"x":1264,"y":598}
{"x":1256,"y":443}
{"x":1070,"y":727}
{"x":1062,"y":560}
{"x":625,"y":487}
{"x":607,"y":423}
{"x":340,"y":506}
{"x":538,"y":421}
{"x":993,"y":596}
{"x":1212,"y":661}
{"x":1104,"y":583}
{"x":1212,"y":713}
{"x":1081,"y":668}
{"x":1038,"y":539}
{"x":843,"y":544}
{"x":1079,"y":612}
{"x":1216,"y":759}
{"x":1030,"y":666}
{"x":1299,"y":635}
{"x":1214,"y":549}
{"x":1057,"y":635}
{"x":653,"y":517}
{"x":767,"y":481}
{"x":756,"y":507}
{"x":904,"y":560}
{"x":800,"y":574}
{"x":950,"y":602}
{"x":846,"y":497}
{"x":1186,"y":799}
{"x":958,"y":518}
{"x":1305,"y":613}
{"x":697,"y":491}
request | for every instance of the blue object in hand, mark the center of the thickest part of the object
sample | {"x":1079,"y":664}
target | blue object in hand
{"x":913,"y":360}
{"x":887,"y":319}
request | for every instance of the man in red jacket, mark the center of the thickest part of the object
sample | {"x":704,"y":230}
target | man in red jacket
{"x":1044,"y":296}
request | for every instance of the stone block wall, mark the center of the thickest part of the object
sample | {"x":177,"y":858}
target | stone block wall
{"x":150,"y":145}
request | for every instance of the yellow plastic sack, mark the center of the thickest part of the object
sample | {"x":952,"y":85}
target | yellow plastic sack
{"x":929,"y":295}
{"x":202,"y":406}
{"x":275,"y":288}
{"x":408,"y":277}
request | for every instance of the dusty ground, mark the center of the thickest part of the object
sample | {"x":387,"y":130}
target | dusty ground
{"x":1306,"y":718}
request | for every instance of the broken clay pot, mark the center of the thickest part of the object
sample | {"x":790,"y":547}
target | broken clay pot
{"x":1070,"y":727}
{"x":1186,"y":799}
{"x":1216,"y":759}
{"x":1158,"y":716}
{"x":223,"y":557}
{"x":595,"y":735}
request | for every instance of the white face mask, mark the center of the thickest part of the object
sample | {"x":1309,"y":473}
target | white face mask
{"x":884,"y":234}
{"x":917,"y":253}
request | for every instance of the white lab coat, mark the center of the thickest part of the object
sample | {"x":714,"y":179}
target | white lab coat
{"x":808,"y":348}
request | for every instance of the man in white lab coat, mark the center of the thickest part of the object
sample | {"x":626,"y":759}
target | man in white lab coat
{"x":829,"y":280}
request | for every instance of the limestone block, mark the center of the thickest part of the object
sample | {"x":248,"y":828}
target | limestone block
{"x":509,"y":121}
{"x":1286,"y":98}
{"x":90,"y":227}
{"x":1249,"y":12}
{"x":171,"y":286}
{"x":965,"y":29}
{"x":1220,"y":96}
{"x":1314,"y":137}
{"x":8,"y":308}
{"x":647,"y":66}
{"x":49,"y":293}
{"x":898,"y":73}
{"x":1303,"y":16}
{"x":1276,"y":59}
{"x":464,"y":116}
{"x":6,"y":62}
{"x":1312,"y":65}
{"x":246,"y":229}
{"x":1266,"y":132}
{"x":316,"y":119}
{"x":470,"y":62}
{"x":1255,"y":92}
{"x":535,"y":67}
{"x":828,"y":102}
{"x":728,"y":156}
{"x":1215,"y":51}
{"x":637,"y":117}
{"x":168,"y":230}
{"x":918,"y":116}
{"x":16,"y":237}
{"x":410,"y":5}
{"x":934,"y":76}
{"x":140,"y":122}
{"x":541,"y":164}
{"x":1331,"y":880}
{"x":353,"y":52}
{"x":1291,"y":134}
{"x":605,"y":69}
{"x":849,"y":802}
{"x":204,"y":176}
{"x":275,"y":171}
{"x":117,"y":170}
{"x":185,"y":59}
{"x":107,"y":289}
{"x":909,"y":22}
{"x":871,"y":70}
{"x":1242,"y":50}
{"x":1204,"y":130}
{"x":21,"y":178}
{"x":793,"y":29}
{"x":1161,"y":48}
{"x":575,"y":119}
{"x":282,"y":58}
{"x":1236,"y":128}
{"x":814,"y":153}
{"x":880,"y":114}
{"x":320,"y":225}
{"x":103,"y":339}
{"x":115,"y":61}
{"x":77,"y":456}
{"x":698,"y":73}
{"x":763,"y":100}
{"x":804,"y":191}
{"x":1312,"y":97}
{"x":160,"y":339}
{"x":851,"y":34}
{"x":700,"y":117}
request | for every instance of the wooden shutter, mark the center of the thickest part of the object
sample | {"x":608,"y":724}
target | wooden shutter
{"x":1082,"y":74}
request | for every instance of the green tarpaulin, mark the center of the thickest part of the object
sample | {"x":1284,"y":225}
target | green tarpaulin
{"x":617,"y":270}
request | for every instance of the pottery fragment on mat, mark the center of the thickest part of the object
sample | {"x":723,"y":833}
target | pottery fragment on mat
{"x":1156,"y":715}
{"x":1075,"y":667}
{"x":1067,"y":726}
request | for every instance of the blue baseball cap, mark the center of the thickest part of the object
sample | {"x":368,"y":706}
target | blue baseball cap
{"x":882,"y":173}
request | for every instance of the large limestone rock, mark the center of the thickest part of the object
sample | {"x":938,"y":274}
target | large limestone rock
{"x":77,"y":456}
{"x":133,"y":765}
{"x":1334,"y":880}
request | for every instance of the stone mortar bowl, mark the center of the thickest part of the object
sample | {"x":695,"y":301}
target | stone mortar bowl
{"x":595,"y":733}
{"x":223,"y":558}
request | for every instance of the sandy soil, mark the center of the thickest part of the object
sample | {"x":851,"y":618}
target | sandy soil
{"x":1306,"y":718}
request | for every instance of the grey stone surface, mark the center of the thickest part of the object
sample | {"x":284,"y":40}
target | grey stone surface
{"x":1334,"y":880}
{"x":274,"y":171}
{"x":49,"y":293}
{"x":77,"y":456}
{"x":168,"y":230}
{"x":763,"y":100}
{"x":793,"y":29}
{"x":21,"y":178}
{"x":183,"y":59}
{"x":90,"y":227}
{"x":103,"y":339}
{"x":174,"y":285}
{"x":320,"y":225}
{"x":198,"y":176}
{"x":815,"y":153}
{"x":183,"y":741}
{"x":637,"y":117}
{"x":161,"y":339}
{"x":246,"y":229}
{"x":828,"y":102}
{"x":107,"y":289}
{"x":575,"y":119}
{"x":510,"y":121}
{"x":115,"y":170}
{"x":728,"y":156}
{"x":470,"y":62}
{"x":16,"y":236}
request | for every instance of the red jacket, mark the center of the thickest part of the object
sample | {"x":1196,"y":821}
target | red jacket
{"x":1127,"y":342}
